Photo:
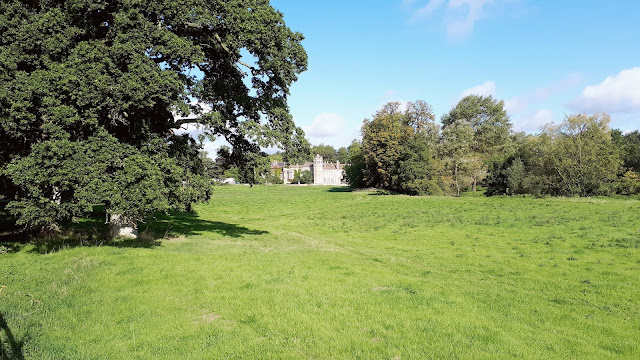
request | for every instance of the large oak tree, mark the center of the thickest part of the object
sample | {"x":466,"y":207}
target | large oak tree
{"x":91,"y":90}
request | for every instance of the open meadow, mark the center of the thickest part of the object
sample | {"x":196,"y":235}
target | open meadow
{"x":323,"y":273}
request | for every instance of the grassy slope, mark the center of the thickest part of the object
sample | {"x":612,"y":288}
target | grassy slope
{"x":289,"y":272}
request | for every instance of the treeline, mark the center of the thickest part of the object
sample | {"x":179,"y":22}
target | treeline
{"x":408,"y":152}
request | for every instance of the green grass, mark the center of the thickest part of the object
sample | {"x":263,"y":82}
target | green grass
{"x":320,"y":273}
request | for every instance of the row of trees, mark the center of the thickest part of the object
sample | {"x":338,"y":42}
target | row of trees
{"x":407,"y":151}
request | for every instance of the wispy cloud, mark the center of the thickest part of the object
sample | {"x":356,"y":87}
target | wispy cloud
{"x":461,"y":16}
{"x":619,"y":93}
{"x":462,"y":26}
{"x":521,"y":103}
{"x":426,"y":10}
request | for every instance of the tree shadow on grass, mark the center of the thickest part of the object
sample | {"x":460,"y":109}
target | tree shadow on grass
{"x":383,"y":193}
{"x":10,"y":347}
{"x":186,"y":224}
{"x":340,"y":189}
{"x":93,"y":231}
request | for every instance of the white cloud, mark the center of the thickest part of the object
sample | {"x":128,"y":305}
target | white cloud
{"x":616,"y":94}
{"x":325,"y":125}
{"x":485,"y":89}
{"x":532,"y":122}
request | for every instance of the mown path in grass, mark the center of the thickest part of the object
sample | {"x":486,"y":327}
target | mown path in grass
{"x":317,"y":272}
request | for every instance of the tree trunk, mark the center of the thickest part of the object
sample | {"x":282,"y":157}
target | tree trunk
{"x":122,"y":226}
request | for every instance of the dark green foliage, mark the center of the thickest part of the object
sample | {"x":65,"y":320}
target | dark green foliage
{"x":575,"y":158}
{"x":327,"y":152}
{"x":419,"y":170}
{"x":382,"y":139}
{"x":298,"y":149}
{"x":491,"y":138}
{"x":248,"y":167}
{"x":343,"y":155}
{"x":515,"y":177}
{"x":354,"y":170}
{"x":489,"y":120}
{"x":584,"y":158}
{"x":274,"y":178}
{"x":234,"y":173}
{"x":629,"y":183}
{"x":302,"y":177}
{"x":628,"y":146}
{"x":100,"y":170}
{"x":90,"y":90}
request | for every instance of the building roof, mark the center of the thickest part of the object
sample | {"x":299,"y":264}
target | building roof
{"x":331,"y":166}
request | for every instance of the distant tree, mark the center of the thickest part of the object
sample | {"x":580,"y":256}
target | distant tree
{"x":488,"y":119}
{"x":584,"y":158}
{"x":275,"y":177}
{"x":211,"y":169}
{"x":234,"y":173}
{"x":277,"y":156}
{"x":575,"y":158}
{"x":628,"y":149}
{"x":343,"y":155}
{"x":298,"y":149}
{"x":491,"y":131}
{"x":419,"y":170}
{"x":302,"y":177}
{"x":629,"y":183}
{"x":354,"y":170}
{"x":496,"y":180}
{"x":382,"y":139}
{"x":224,"y":159}
{"x":628,"y":146}
{"x":307,"y":177}
{"x":419,"y":116}
{"x":516,"y":176}
{"x":248,"y":167}
{"x":256,"y":169}
{"x":457,"y":154}
{"x":327,"y":152}
{"x":537,"y":155}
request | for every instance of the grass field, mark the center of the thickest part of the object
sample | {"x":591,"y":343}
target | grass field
{"x":322,"y":273}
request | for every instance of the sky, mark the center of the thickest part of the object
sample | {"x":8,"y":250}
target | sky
{"x":545,"y":59}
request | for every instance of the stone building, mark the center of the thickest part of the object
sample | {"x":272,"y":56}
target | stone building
{"x":324,"y":173}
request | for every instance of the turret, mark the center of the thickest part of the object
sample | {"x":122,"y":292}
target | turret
{"x":318,"y":167}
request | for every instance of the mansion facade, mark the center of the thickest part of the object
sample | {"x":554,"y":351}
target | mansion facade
{"x":324,"y":173}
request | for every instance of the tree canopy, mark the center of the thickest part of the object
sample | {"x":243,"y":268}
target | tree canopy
{"x":99,"y":83}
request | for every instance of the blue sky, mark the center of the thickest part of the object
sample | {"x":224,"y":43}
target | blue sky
{"x":545,"y":59}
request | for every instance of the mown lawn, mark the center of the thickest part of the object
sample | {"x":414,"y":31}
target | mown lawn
{"x":320,"y":273}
